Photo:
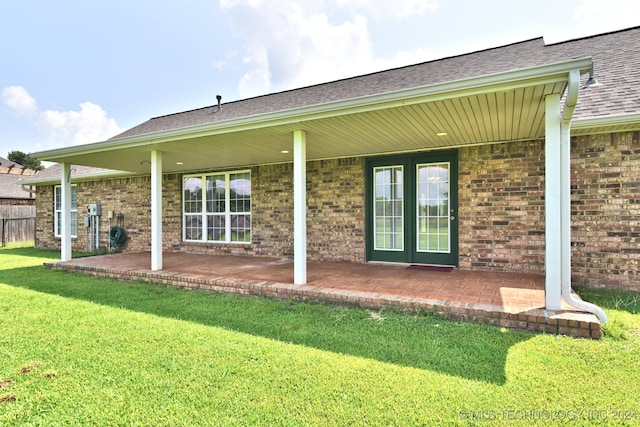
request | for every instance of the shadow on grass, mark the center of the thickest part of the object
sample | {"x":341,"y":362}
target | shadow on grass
{"x":422,"y":341}
{"x":30,"y":252}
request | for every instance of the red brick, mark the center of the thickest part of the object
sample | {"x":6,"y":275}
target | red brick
{"x":581,"y":333}
{"x":501,"y":210}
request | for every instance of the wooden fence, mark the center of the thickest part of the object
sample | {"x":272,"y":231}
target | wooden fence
{"x":18,"y":223}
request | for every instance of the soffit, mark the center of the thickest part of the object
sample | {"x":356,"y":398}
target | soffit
{"x":510,"y":115}
{"x":494,"y":108}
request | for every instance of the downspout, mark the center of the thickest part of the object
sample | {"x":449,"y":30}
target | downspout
{"x":565,"y":202}
{"x":28,"y":190}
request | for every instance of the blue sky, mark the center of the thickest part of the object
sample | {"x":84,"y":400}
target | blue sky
{"x":77,"y":71}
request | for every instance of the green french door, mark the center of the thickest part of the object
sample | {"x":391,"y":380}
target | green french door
{"x":412,"y":204}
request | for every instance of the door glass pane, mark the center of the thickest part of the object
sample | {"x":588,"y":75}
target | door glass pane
{"x":433,"y":208}
{"x":388,"y":208}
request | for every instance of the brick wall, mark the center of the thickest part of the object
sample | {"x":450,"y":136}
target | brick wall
{"x":605,"y":203}
{"x":18,"y":202}
{"x":44,"y":218}
{"x":129,"y":197}
{"x":501,"y":207}
{"x":335,"y":213}
{"x":501,"y":210}
{"x":335,"y":216}
{"x":335,"y":195}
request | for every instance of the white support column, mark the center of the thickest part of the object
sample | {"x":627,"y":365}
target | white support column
{"x":299,"y":207}
{"x":156,"y":210}
{"x":65,"y":230}
{"x":552,"y":202}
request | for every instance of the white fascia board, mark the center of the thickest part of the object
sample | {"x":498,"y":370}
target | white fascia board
{"x":600,"y":121}
{"x":79,"y":178}
{"x":545,"y":74}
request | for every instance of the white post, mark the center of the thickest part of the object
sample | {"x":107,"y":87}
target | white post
{"x":65,"y":231}
{"x":552,"y":203}
{"x":156,"y":210}
{"x":299,"y":207}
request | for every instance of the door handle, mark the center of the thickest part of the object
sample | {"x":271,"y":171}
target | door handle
{"x":452,"y":218}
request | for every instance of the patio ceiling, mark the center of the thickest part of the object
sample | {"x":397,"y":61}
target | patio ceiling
{"x":502,"y":107}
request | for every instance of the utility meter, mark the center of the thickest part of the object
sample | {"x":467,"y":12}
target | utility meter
{"x":95,"y":209}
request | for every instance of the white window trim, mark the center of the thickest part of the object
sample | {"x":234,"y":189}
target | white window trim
{"x":203,"y":214}
{"x":57,"y":212}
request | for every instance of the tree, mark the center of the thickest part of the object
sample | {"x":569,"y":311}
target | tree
{"x":25,"y":160}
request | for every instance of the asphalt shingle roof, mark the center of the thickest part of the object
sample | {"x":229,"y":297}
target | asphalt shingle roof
{"x":10,"y":187}
{"x":616,"y":58}
{"x":12,"y":174}
{"x":6,"y":163}
{"x":53,"y":172}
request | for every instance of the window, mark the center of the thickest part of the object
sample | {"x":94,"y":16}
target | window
{"x":58,"y":210}
{"x":217,"y":207}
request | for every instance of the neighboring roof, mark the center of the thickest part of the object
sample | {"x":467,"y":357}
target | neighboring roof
{"x":6,"y":163}
{"x":10,"y":187}
{"x":52,"y":174}
{"x":13,"y":174}
{"x":618,"y":94}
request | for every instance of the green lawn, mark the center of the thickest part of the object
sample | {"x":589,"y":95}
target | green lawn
{"x":78,"y":350}
{"x":433,"y":234}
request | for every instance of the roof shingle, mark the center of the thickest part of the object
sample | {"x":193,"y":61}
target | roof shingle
{"x":616,"y":57}
{"x":12,"y":174}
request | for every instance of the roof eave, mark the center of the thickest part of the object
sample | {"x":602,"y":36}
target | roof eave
{"x":492,"y":82}
{"x":82,"y":177}
{"x":600,"y":121}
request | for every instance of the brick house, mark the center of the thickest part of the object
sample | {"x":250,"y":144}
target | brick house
{"x":506,"y":159}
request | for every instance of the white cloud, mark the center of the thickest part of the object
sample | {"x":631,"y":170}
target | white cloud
{"x":298,"y":43}
{"x":18,"y":99}
{"x":609,"y":15}
{"x":405,"y":58}
{"x":89,"y":124}
{"x":385,"y":9}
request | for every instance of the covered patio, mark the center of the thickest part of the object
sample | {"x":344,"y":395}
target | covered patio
{"x":432,"y":108}
{"x":510,"y":300}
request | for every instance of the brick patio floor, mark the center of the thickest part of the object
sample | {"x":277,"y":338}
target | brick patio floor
{"x":511,"y":300}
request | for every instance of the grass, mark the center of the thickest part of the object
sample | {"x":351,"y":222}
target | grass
{"x":625,"y":304}
{"x":432,"y":235}
{"x":80,"y":350}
